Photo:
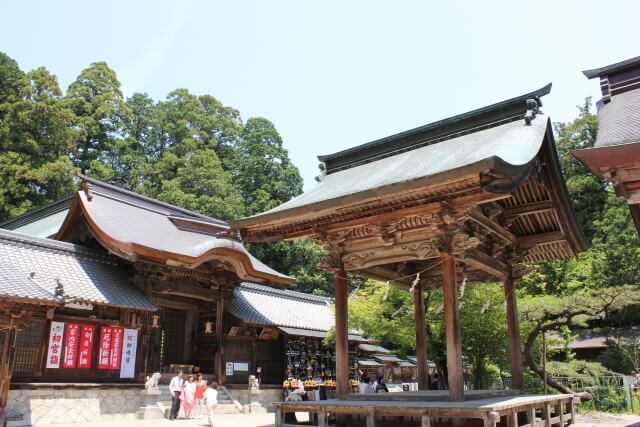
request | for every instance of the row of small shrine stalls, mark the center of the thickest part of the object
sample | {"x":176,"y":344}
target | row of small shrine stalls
{"x":130,"y":286}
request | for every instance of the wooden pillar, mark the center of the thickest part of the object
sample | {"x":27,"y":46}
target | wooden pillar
{"x":421,"y":346}
{"x":452,"y":327}
{"x":342,"y":343}
{"x":513,"y":329}
{"x":219,"y":360}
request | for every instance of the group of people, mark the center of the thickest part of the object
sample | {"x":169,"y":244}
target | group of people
{"x":378,"y":385}
{"x":193,"y":394}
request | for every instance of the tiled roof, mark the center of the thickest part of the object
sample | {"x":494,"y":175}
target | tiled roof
{"x":619,"y":120}
{"x":513,"y":144}
{"x":135,"y":225}
{"x":372,"y":348}
{"x":262,"y":305}
{"x":86,"y":275}
{"x":387,"y":358}
{"x":17,"y":283}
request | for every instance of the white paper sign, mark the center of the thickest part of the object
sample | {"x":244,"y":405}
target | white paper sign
{"x":229,"y":370}
{"x":54,"y":354}
{"x":129,"y":347}
{"x":240,"y":366}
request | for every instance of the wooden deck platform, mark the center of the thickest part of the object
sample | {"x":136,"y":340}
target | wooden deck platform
{"x":503,"y":411}
{"x":432,"y":395}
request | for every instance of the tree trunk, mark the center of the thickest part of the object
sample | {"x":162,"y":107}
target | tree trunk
{"x":533,"y":365}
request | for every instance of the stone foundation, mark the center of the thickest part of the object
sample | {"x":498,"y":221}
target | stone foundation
{"x":267,"y":397}
{"x":54,"y":405}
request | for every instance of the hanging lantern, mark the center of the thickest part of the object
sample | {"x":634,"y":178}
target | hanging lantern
{"x":154,"y":321}
{"x":208,"y":327}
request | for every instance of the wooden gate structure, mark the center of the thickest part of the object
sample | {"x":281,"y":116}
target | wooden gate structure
{"x":470,"y":198}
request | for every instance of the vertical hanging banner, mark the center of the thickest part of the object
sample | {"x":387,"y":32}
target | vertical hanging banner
{"x":56,"y":334}
{"x":116,"y":348}
{"x":86,"y":346}
{"x":104,"y":355}
{"x":71,"y":345}
{"x":129,"y":348}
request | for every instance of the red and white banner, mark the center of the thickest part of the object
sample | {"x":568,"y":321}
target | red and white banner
{"x":104,"y":354}
{"x":71,"y":345}
{"x":116,"y":347}
{"x":56,"y":334}
{"x":86,"y":346}
{"x":129,"y":348}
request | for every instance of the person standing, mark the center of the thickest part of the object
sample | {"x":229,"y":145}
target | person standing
{"x":201,"y":386}
{"x":188,"y":396}
{"x":211,"y":398}
{"x":175,"y":387}
{"x":379,"y":385}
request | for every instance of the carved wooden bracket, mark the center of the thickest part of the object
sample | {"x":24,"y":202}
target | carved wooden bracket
{"x":417,"y":250}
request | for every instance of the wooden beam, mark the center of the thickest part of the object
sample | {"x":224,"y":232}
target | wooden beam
{"x":452,"y":326}
{"x":529,"y":208}
{"x":219,"y":356}
{"x":527,"y":242}
{"x":486,"y":263}
{"x":421,"y":346}
{"x":476,"y":215}
{"x":342,"y":344}
{"x":513,"y":329}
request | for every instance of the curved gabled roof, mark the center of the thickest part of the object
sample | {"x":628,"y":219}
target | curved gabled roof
{"x":137,"y":227}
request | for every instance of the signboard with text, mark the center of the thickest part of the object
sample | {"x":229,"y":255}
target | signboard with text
{"x":54,"y":353}
{"x":129,"y":348}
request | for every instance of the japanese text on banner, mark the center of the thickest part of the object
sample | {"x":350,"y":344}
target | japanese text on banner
{"x":71,"y":346}
{"x":86,"y":346}
{"x":116,"y":348}
{"x":54,"y":352}
{"x":104,"y":354}
{"x":129,"y":348}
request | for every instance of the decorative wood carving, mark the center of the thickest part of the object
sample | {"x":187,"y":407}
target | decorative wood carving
{"x":461,"y":242}
{"x":417,"y":250}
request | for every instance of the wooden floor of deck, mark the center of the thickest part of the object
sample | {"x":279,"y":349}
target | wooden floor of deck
{"x":432,"y":395}
{"x":509,"y":411}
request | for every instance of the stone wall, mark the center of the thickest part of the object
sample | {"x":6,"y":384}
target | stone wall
{"x":49,"y":405}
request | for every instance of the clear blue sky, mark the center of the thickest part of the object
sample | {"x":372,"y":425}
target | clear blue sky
{"x":332,"y":74}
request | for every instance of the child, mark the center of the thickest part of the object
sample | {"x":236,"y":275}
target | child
{"x":211,"y":397}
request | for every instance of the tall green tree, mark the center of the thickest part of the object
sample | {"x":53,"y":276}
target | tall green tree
{"x":96,"y":99}
{"x":10,"y":78}
{"x":36,"y":136}
{"x":263,"y":172}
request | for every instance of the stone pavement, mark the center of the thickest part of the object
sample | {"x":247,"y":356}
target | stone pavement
{"x":222,"y":420}
{"x":267,"y":420}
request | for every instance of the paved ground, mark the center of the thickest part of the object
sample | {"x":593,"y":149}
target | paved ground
{"x":266,"y":420}
{"x":607,"y":420}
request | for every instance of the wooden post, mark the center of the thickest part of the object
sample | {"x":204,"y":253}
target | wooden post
{"x":546,"y":415}
{"x":513,"y":328}
{"x":371,"y":418}
{"x":342,"y":344}
{"x":531,"y":416}
{"x":219,"y":358}
{"x":421,"y":346}
{"x":560,"y":412}
{"x":425,"y":420}
{"x":322,"y":418}
{"x":572,"y":409}
{"x":279,"y":416}
{"x":512,"y":419}
{"x":452,"y":326}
